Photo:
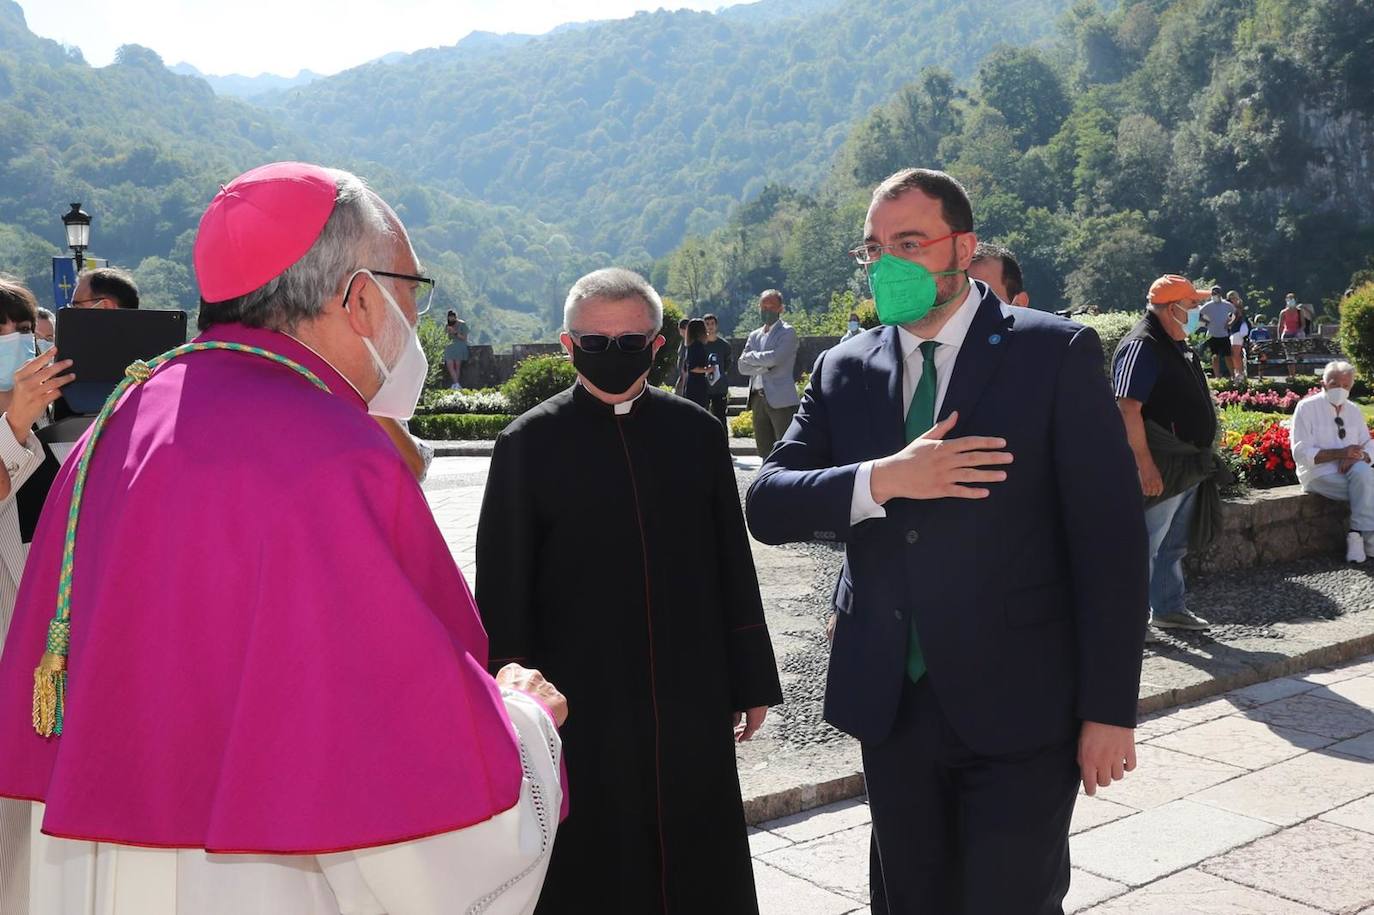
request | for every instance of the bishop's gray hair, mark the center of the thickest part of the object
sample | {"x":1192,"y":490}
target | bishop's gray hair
{"x":1336,"y":368}
{"x":613,"y":283}
{"x":357,"y":235}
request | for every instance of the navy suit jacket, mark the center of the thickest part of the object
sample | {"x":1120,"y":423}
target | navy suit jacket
{"x":1031,"y":604}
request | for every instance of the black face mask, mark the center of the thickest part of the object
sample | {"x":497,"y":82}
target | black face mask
{"x":612,"y":371}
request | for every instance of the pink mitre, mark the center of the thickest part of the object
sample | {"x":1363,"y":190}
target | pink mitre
{"x":260,"y":224}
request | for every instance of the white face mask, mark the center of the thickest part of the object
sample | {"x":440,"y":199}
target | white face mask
{"x":402,"y":382}
{"x":15,"y":350}
{"x":1337,"y":396}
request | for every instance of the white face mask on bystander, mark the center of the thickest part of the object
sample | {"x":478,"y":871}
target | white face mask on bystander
{"x":1337,"y":396}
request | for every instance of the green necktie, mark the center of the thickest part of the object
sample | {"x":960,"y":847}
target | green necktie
{"x":920,"y":416}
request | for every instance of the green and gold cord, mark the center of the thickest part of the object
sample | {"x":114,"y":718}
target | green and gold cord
{"x":50,"y":677}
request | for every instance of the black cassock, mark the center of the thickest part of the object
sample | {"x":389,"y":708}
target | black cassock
{"x":612,"y":555}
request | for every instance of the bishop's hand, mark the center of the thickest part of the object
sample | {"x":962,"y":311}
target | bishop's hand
{"x":932,"y":467}
{"x":527,"y":680}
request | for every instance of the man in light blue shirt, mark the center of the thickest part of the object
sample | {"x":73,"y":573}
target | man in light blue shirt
{"x":1215,"y":315}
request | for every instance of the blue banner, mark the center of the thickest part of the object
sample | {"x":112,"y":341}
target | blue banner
{"x":63,"y":280}
{"x":64,"y":277}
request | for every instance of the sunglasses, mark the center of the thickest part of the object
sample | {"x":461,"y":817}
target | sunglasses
{"x":1340,"y":427}
{"x":599,"y":343}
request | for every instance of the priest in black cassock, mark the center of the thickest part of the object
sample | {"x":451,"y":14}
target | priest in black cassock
{"x":612,"y":555}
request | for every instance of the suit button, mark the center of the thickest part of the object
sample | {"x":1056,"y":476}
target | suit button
{"x":897,"y":614}
{"x":912,"y":536}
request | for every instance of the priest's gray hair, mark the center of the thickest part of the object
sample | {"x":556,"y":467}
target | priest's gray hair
{"x":614,"y":283}
{"x":1338,"y":368}
{"x":360,"y":233}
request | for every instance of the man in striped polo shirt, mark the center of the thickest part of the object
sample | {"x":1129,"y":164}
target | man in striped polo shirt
{"x":1163,"y":397}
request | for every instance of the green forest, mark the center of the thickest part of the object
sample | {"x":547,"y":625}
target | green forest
{"x":1228,"y":140}
{"x":721,"y":153}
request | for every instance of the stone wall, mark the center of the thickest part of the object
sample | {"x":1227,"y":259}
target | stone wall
{"x":487,"y":369}
{"x":1274,"y":526}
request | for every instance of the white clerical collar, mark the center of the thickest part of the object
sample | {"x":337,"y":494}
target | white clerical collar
{"x":955,"y":329}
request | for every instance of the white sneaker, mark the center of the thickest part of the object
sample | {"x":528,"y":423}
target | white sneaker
{"x":1354,"y":548}
{"x":1368,"y":543}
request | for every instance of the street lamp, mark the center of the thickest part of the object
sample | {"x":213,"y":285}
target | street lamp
{"x":78,"y":225}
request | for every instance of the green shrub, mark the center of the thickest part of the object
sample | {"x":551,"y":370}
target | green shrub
{"x":665,"y":363}
{"x":1238,"y":486}
{"x":468,"y":400}
{"x":1357,"y":329}
{"x":447,"y":427}
{"x":536,"y":379}
{"x":742,"y":426}
{"x":432,"y":341}
{"x":868,"y":314}
{"x":1111,"y":326}
{"x":1243,"y":422}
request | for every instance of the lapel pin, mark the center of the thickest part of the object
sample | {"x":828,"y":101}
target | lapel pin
{"x":995,"y":339}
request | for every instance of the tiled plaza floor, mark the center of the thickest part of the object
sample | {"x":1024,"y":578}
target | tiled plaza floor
{"x":1257,"y":802}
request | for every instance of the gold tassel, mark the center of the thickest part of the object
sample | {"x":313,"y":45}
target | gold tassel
{"x":50,"y":680}
{"x":49,"y":685}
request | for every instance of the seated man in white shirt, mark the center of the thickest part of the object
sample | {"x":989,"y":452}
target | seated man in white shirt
{"x":1333,"y":451}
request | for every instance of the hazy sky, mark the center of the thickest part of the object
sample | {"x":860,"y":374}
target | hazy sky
{"x":283,"y":36}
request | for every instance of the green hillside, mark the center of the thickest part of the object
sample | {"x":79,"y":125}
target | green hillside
{"x":633,"y":133}
{"x":1223,"y":139}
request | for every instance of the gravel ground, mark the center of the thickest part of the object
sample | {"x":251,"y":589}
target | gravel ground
{"x":1240,"y":605}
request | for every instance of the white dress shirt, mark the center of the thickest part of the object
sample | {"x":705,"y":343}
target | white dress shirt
{"x":1314,"y":429}
{"x":951,"y":338}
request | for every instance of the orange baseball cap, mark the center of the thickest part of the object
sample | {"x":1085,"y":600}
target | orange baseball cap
{"x":1174,"y":288}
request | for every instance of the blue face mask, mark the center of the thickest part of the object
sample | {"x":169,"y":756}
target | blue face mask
{"x":15,"y":350}
{"x":44,"y":346}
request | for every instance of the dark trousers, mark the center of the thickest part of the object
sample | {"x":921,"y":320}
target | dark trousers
{"x":956,"y":833}
{"x":770,"y":423}
{"x":720,"y":408}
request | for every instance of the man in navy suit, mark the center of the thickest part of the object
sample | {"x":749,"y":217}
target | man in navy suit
{"x":991,"y":603}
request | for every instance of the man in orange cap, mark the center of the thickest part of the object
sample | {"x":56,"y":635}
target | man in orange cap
{"x":1171,"y":424}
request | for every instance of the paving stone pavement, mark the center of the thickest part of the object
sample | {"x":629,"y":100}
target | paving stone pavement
{"x":1258,"y":802}
{"x":1255,"y":802}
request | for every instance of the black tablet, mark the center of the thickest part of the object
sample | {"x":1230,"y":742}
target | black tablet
{"x":102,"y":342}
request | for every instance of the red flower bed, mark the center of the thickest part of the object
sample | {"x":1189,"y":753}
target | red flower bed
{"x":1266,"y":457}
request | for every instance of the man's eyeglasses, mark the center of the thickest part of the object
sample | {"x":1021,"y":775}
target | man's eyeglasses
{"x":1340,"y":427}
{"x":86,"y":303}
{"x":424,"y":288}
{"x":907,"y":247}
{"x":599,"y":343}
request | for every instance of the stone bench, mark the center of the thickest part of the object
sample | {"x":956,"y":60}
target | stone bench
{"x":1270,"y":526}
